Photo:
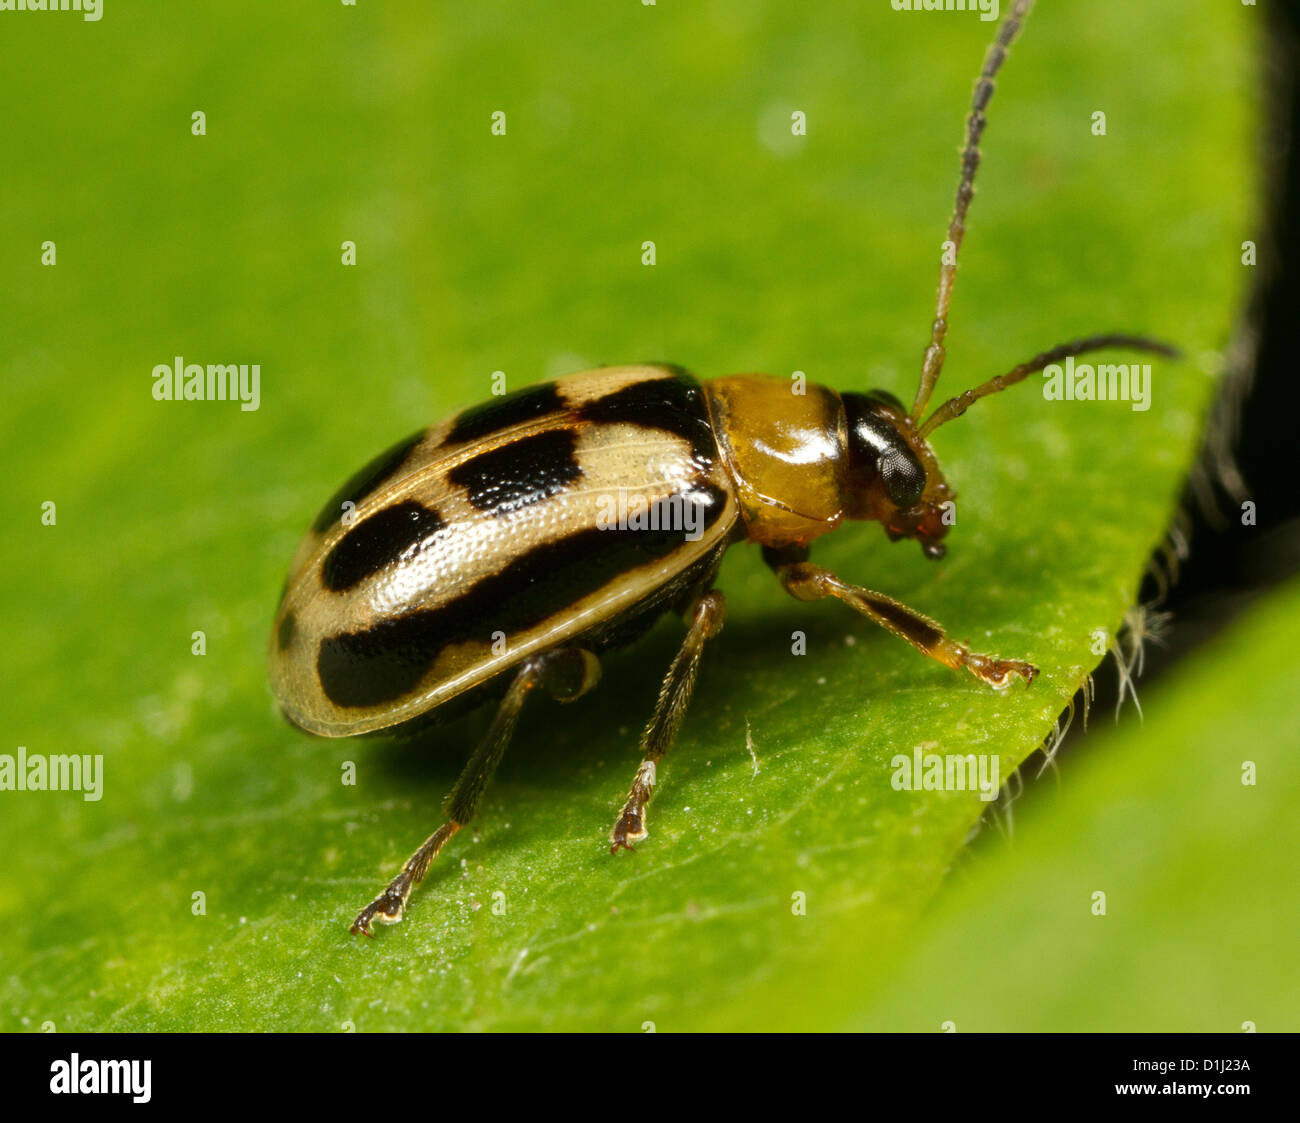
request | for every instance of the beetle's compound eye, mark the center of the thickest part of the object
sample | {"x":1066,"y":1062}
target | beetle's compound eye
{"x":878,"y":450}
{"x":903,"y":477}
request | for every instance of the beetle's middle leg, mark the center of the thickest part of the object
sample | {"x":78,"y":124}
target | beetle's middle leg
{"x":565,"y":674}
{"x":807,"y":582}
{"x":674,"y":696}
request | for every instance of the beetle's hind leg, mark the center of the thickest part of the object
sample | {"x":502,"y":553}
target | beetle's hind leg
{"x":805,"y":581}
{"x":565,"y":674}
{"x":674,"y":696}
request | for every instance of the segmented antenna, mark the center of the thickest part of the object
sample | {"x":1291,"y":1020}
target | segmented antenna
{"x":970,"y":162}
{"x":955,"y":407}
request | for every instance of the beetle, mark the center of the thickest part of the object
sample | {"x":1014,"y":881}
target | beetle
{"x":509,"y":547}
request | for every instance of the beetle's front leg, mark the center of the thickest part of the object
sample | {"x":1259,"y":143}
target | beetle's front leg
{"x":805,"y":581}
{"x":674,"y":696}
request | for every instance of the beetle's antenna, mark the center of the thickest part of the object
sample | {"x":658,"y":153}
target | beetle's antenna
{"x":955,"y":407}
{"x":970,"y":162}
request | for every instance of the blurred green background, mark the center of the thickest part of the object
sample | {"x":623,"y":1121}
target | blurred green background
{"x":522,"y":253}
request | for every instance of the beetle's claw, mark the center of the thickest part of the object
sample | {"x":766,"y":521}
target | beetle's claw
{"x":1009,"y":667}
{"x":385,"y":909}
{"x":999,"y":672}
{"x":629,"y":829}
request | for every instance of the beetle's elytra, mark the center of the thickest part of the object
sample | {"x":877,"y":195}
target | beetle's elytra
{"x":507,"y":548}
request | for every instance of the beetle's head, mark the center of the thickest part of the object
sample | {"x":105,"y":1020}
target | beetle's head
{"x":894,"y":477}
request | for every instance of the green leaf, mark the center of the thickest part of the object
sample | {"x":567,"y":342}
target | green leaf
{"x":522,"y":253}
{"x":1186,"y":823}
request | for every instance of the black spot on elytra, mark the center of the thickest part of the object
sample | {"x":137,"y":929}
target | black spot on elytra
{"x":675,"y":405}
{"x":500,"y":413}
{"x":288,"y":626}
{"x":522,"y":472}
{"x":366,"y":481}
{"x":386,"y":661}
{"x":378,"y":541}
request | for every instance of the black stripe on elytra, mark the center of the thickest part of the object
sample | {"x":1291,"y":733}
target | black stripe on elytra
{"x":386,"y":661}
{"x":675,"y":405}
{"x":496,"y":414}
{"x":366,"y":481}
{"x":386,"y":536}
{"x":288,"y":626}
{"x":519,"y":473}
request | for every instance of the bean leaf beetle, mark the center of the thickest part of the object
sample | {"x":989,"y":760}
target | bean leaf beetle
{"x":507,"y":548}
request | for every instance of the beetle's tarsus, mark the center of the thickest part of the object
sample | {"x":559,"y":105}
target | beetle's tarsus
{"x":387,"y":908}
{"x":998,"y":672}
{"x":630,"y":828}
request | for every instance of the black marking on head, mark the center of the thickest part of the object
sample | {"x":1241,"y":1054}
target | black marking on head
{"x":288,"y":626}
{"x":675,"y":405}
{"x":519,"y":473}
{"x":388,"y":535}
{"x":384,"y":662}
{"x":366,"y":481}
{"x":500,"y":413}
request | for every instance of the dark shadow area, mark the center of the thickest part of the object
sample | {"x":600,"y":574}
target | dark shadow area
{"x":553,"y":738}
